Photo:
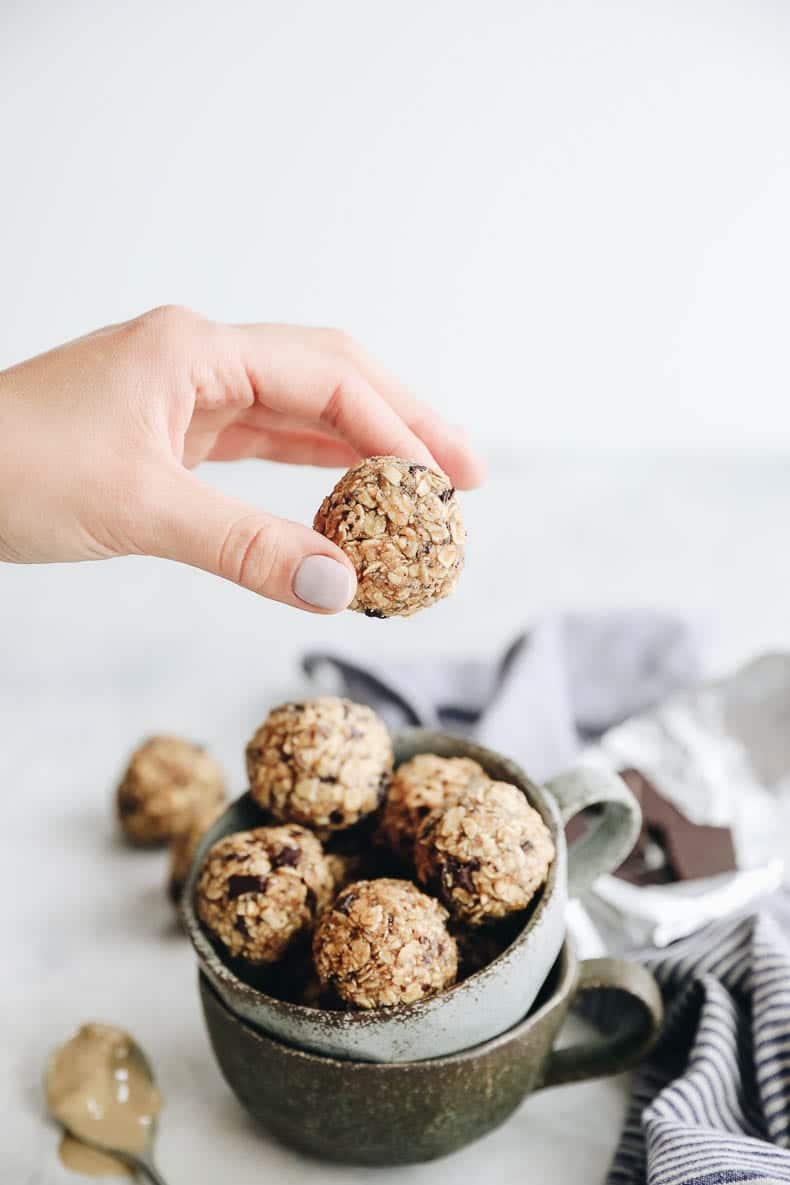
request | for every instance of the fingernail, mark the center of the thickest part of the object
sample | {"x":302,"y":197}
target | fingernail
{"x":324,"y":583}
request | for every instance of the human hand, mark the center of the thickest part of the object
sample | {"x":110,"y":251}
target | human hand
{"x":98,"y":437}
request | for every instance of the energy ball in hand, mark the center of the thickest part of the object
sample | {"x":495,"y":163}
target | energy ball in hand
{"x":418,"y":787}
{"x":166,"y":782}
{"x":486,"y":855}
{"x":400,"y":525}
{"x":260,"y":890}
{"x":184,"y":846}
{"x":324,"y":763}
{"x":382,"y":943}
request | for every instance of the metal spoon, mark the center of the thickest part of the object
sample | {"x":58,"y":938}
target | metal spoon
{"x":92,"y":1084}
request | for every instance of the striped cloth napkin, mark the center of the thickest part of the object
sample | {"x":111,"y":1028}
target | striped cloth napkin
{"x":712,"y":1102}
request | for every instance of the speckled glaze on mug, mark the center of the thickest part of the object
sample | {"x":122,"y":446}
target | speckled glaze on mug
{"x":363,"y":1113}
{"x":488,"y":1002}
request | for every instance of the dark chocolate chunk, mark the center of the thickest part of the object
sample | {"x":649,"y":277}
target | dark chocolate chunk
{"x":287,"y":858}
{"x":417,"y":469}
{"x":241,"y":925}
{"x":336,"y":817}
{"x":375,"y":613}
{"x":446,"y":495}
{"x":344,"y":903}
{"x":461,"y":872}
{"x":240,"y":884}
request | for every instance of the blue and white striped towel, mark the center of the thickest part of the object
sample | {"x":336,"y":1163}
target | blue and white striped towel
{"x":712,"y":1102}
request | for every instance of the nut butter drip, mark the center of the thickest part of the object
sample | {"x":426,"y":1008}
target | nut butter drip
{"x":100,"y":1087}
{"x":90,"y":1162}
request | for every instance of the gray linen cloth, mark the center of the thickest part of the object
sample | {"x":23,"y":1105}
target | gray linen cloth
{"x":555,"y":689}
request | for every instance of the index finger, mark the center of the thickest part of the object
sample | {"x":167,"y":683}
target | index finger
{"x":296,"y":374}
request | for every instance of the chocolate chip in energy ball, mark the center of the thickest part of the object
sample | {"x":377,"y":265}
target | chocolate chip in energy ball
{"x":400,"y":524}
{"x":320,"y":763}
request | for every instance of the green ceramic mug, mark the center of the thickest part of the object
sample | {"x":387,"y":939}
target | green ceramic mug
{"x":384,"y":1114}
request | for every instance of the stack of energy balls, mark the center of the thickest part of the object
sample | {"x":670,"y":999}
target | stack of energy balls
{"x":446,"y":856}
{"x":363,"y":887}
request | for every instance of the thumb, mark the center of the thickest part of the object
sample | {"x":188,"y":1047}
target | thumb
{"x":271,"y":556}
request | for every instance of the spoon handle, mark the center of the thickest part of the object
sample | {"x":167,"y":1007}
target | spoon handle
{"x":149,"y":1170}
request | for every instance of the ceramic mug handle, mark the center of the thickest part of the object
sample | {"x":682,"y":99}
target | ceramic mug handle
{"x":634,"y":1034}
{"x":610,"y":838}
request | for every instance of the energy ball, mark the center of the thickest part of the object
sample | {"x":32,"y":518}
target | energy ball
{"x":184,"y":846}
{"x":400,"y":525}
{"x":421,"y":786}
{"x":382,"y":943}
{"x":259,"y":891}
{"x":486,"y":855}
{"x":324,"y":763}
{"x":166,"y":782}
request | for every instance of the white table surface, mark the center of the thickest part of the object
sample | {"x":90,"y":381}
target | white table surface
{"x":93,"y":657}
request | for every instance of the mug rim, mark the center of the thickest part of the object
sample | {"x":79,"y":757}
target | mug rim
{"x":568,"y":964}
{"x":216,"y":968}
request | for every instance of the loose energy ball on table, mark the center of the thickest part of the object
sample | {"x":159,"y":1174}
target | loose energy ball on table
{"x":383,"y":942}
{"x":400,"y":525}
{"x":486,"y":855}
{"x":324,"y":763}
{"x":184,"y":846}
{"x":260,"y":890}
{"x":166,"y":782}
{"x":421,"y":786}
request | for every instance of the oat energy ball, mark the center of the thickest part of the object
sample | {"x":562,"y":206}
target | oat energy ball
{"x":324,"y":763}
{"x":259,"y":891}
{"x":166,"y":782}
{"x":382,"y":943}
{"x":420,"y":786}
{"x":400,"y":525}
{"x":486,"y":855}
{"x":184,"y":846}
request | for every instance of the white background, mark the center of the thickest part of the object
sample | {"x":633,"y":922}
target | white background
{"x":566,"y":224}
{"x":561,"y":221}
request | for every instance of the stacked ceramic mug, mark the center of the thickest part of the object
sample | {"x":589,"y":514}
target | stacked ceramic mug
{"x":415,"y":1081}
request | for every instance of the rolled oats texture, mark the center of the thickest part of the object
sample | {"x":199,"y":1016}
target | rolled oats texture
{"x":401,"y":526}
{"x":383,"y":943}
{"x":486,"y":855}
{"x":324,"y":763}
{"x":418,"y":787}
{"x":260,"y":891}
{"x":166,"y":782}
